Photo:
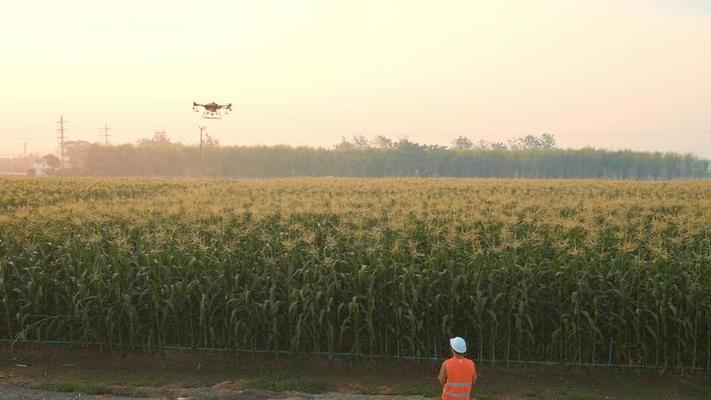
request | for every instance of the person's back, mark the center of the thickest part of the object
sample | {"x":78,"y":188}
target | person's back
{"x":458,"y":374}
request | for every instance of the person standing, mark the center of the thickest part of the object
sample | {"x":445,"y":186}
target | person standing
{"x":458,"y":373}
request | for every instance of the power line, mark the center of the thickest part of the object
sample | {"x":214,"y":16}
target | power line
{"x":15,"y":151}
{"x":639,"y":133}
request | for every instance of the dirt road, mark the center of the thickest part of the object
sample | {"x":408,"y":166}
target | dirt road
{"x":20,"y":393}
{"x":23,"y":393}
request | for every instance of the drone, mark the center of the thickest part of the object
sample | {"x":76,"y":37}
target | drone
{"x":212,"y":110}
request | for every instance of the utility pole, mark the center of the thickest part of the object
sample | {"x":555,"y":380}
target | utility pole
{"x":61,"y":138}
{"x":106,"y":135}
{"x":202,"y":128}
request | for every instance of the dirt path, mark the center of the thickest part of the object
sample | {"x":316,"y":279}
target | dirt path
{"x":20,"y":393}
{"x":23,"y":393}
{"x":218,"y":376}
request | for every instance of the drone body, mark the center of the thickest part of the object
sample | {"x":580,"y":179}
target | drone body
{"x":212,"y":110}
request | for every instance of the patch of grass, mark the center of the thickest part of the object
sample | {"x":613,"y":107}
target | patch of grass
{"x":371,"y":390}
{"x":121,"y":377}
{"x":83,"y":387}
{"x":569,"y":394}
{"x":421,"y":390}
{"x":280,"y":382}
{"x":190,"y":382}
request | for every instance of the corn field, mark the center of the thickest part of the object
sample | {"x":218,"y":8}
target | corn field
{"x":567,"y":271}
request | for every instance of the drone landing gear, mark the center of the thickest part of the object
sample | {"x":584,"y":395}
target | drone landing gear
{"x":211,"y":115}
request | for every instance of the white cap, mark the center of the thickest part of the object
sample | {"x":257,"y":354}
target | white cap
{"x":458,"y":344}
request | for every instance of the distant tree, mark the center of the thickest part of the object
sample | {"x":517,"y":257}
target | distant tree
{"x":360,"y":142}
{"x":77,"y":152}
{"x":210,"y":141}
{"x":159,"y":137}
{"x":405,"y":143}
{"x":345,"y":145}
{"x":384,"y":158}
{"x":531,"y":142}
{"x":382,"y":142}
{"x":462,"y":143}
{"x":548,"y":141}
{"x":51,"y":160}
{"x":482,"y":145}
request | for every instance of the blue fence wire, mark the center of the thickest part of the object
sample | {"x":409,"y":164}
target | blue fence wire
{"x":349,"y":355}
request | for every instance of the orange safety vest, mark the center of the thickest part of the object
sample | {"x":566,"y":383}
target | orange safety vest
{"x":460,"y":375}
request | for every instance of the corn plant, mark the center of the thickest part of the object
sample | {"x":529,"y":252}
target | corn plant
{"x":571,"y":271}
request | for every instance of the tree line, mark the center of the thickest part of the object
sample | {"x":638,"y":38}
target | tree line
{"x":526,"y":157}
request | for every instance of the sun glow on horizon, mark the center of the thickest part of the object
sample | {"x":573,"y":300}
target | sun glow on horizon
{"x":629,"y":74}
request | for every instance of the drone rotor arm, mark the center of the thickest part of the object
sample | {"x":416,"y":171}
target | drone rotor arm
{"x":212,"y":110}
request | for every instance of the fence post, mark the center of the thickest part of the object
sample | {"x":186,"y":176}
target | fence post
{"x":434,"y":346}
{"x":609,"y":354}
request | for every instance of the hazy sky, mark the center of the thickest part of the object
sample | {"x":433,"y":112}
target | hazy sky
{"x":612,"y":74}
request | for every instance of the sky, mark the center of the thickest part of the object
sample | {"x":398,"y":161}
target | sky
{"x":626,"y":74}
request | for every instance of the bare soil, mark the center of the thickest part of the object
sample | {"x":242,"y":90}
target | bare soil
{"x":62,"y":373}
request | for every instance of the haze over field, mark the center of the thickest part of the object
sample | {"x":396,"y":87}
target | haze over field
{"x":628,"y":74}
